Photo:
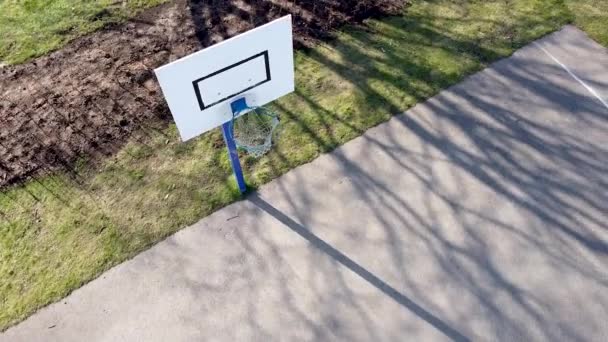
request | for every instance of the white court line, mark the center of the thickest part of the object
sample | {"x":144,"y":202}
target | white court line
{"x":588,"y":87}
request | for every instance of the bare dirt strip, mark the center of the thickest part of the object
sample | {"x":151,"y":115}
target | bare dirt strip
{"x":88,"y":98}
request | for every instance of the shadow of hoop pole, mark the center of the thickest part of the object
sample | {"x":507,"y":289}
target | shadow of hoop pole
{"x":354,"y":267}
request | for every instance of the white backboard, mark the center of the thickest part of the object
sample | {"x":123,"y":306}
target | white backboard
{"x":257,"y":65}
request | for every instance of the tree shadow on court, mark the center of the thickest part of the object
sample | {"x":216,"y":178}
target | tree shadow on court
{"x":554,"y":176}
{"x":268,"y":259}
{"x":343,"y":260}
{"x":465,"y":147}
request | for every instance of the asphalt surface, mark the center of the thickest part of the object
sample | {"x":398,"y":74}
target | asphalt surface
{"x":481,"y":214}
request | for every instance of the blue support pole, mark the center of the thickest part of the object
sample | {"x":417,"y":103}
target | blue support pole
{"x":234,"y":156}
{"x":236,"y":106}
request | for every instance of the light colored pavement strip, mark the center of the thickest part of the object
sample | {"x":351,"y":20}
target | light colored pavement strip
{"x":585,"y":60}
{"x":481,"y":214}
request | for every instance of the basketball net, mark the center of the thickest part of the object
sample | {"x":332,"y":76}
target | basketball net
{"x":253,"y":131}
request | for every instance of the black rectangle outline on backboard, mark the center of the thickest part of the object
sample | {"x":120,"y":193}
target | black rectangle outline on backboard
{"x":197,"y":91}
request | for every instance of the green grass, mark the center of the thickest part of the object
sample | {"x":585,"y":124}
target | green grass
{"x":58,"y":233}
{"x":31,"y":28}
{"x":591,"y":16}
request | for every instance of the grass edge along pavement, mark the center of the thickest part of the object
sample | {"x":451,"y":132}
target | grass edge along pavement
{"x":57,"y":233}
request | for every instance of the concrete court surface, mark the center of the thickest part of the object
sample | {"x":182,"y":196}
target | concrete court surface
{"x":481,"y":214}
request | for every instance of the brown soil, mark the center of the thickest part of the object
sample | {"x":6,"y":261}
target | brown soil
{"x":86,"y":99}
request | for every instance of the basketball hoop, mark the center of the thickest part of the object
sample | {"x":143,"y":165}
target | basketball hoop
{"x":226,"y":84}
